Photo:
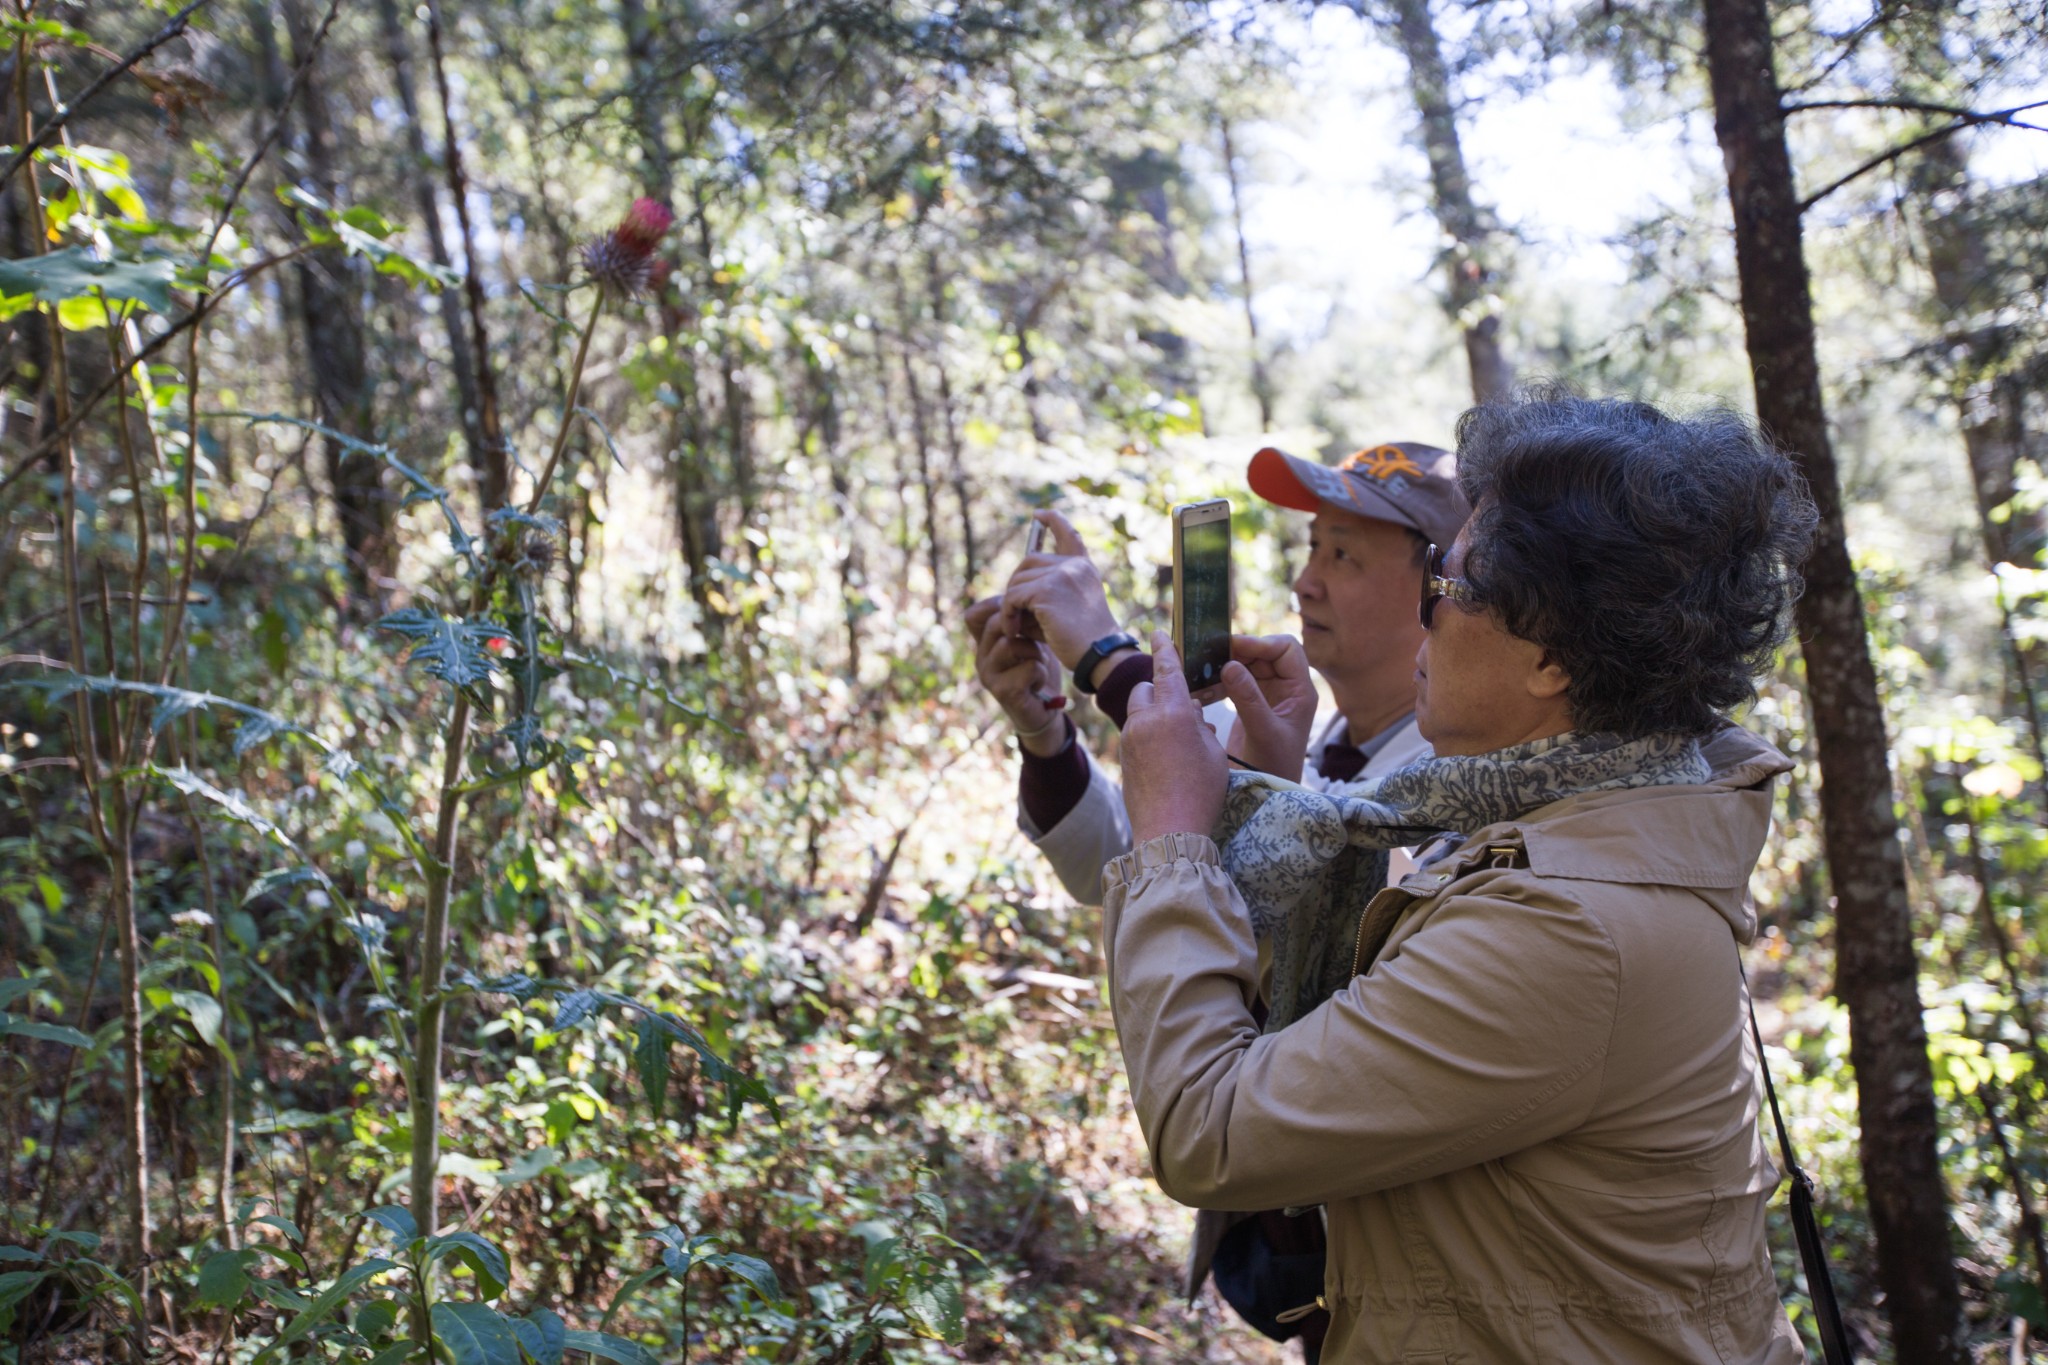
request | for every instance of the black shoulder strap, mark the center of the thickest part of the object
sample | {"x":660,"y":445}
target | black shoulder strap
{"x":1813,"y":1253}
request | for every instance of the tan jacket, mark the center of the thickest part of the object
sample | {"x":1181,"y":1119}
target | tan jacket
{"x":1531,"y":1121}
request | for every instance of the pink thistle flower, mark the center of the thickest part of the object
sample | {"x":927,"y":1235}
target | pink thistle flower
{"x":622,"y":260}
{"x":644,"y":225}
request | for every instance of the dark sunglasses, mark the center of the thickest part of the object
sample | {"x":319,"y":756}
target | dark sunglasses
{"x":1436,"y":587}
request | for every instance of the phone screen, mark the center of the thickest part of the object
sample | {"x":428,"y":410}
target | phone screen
{"x":1205,"y":605}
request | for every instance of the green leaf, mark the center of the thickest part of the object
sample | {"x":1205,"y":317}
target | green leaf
{"x":758,"y":1274}
{"x":573,"y":1008}
{"x":934,"y":1306}
{"x":323,"y":1307}
{"x":394,"y":1355}
{"x":84,"y":315}
{"x":629,"y":1289}
{"x":15,"y":987}
{"x":541,"y":1334}
{"x":73,"y":273}
{"x":530,"y":1165}
{"x":18,"y":1254}
{"x":277,"y":1220}
{"x":273,"y":635}
{"x":650,"y":1059}
{"x":365,"y":241}
{"x":53,"y":894}
{"x":451,"y":650}
{"x":884,"y":1263}
{"x":205,"y":1013}
{"x":277,"y":879}
{"x":49,"y":1033}
{"x":607,"y":1347}
{"x":224,"y":1279}
{"x":485,"y":1261}
{"x":16,"y":1284}
{"x":476,"y":1334}
{"x":395,"y":1220}
{"x":376,"y":1318}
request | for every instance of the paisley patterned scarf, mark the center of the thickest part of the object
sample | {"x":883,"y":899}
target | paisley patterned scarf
{"x":1307,"y":863}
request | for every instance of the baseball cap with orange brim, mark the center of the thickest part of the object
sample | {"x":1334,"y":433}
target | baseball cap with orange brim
{"x":1404,"y":482}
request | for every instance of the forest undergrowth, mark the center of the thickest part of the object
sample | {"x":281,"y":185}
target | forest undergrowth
{"x":503,"y":859}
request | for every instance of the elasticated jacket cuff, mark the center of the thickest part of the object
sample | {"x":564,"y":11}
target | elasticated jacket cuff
{"x":1164,"y":851}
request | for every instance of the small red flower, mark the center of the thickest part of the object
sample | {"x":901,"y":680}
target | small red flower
{"x":622,"y":260}
{"x":498,"y":644}
{"x":644,"y":225}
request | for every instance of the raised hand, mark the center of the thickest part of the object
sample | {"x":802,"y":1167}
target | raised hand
{"x":1268,"y":680}
{"x":1058,"y":596}
{"x":1174,"y":771}
{"x":1020,"y":674}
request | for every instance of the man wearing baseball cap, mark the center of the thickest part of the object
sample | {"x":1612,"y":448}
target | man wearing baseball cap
{"x":1375,"y":514}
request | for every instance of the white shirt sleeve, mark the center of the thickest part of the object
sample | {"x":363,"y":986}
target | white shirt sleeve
{"x":1089,"y":835}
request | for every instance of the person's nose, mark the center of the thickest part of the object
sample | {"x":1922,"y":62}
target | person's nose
{"x":1306,"y":584}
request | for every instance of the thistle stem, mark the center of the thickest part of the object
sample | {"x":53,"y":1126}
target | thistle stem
{"x":574,"y":390}
{"x":430,"y":1011}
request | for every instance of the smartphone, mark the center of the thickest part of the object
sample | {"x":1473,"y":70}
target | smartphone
{"x":1034,"y":537}
{"x":1201,"y":590}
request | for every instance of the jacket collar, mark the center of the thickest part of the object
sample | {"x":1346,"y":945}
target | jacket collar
{"x":1705,"y":836}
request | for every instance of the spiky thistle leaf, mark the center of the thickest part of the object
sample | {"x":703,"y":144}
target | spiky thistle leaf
{"x":452,"y":649}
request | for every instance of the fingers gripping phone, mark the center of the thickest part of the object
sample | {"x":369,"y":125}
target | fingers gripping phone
{"x":1034,"y":543}
{"x":1201,"y":590}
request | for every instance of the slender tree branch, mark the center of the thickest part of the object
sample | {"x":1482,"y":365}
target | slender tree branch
{"x":178,"y":24}
{"x":547,"y":475}
{"x":2001,"y":117}
{"x":1911,"y":106}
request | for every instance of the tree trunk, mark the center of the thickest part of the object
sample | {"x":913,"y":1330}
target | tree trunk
{"x":689,"y":456}
{"x":1468,"y":276}
{"x":1988,"y":393}
{"x":949,"y":414}
{"x":486,"y":461}
{"x":337,"y":355}
{"x":1876,"y":966}
{"x":1262,"y":384}
{"x":491,"y":452}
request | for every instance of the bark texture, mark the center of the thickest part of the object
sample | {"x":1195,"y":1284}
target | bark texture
{"x":337,"y":353}
{"x":1876,"y":967}
{"x":1989,"y":388}
{"x":1468,"y":276}
{"x":486,"y":458}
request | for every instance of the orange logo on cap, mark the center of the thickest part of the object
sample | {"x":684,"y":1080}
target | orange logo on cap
{"x":1381,"y":462}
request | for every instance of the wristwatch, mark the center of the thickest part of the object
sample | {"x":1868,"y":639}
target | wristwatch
{"x":1084,"y":671}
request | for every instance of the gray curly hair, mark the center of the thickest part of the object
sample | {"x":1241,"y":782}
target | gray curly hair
{"x":1655,"y":557}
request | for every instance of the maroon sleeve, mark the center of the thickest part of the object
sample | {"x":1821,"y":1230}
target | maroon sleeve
{"x":1114,"y":696}
{"x":1049,"y":788}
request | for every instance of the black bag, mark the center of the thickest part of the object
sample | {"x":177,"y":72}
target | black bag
{"x":1269,"y":1267}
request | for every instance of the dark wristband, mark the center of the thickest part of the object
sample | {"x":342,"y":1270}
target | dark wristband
{"x":1084,"y":670}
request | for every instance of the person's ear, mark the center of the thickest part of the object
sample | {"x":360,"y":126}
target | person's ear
{"x":1547,"y":679}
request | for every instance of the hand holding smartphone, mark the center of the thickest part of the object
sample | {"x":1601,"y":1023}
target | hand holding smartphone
{"x":1034,"y":543}
{"x":1201,"y":590}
